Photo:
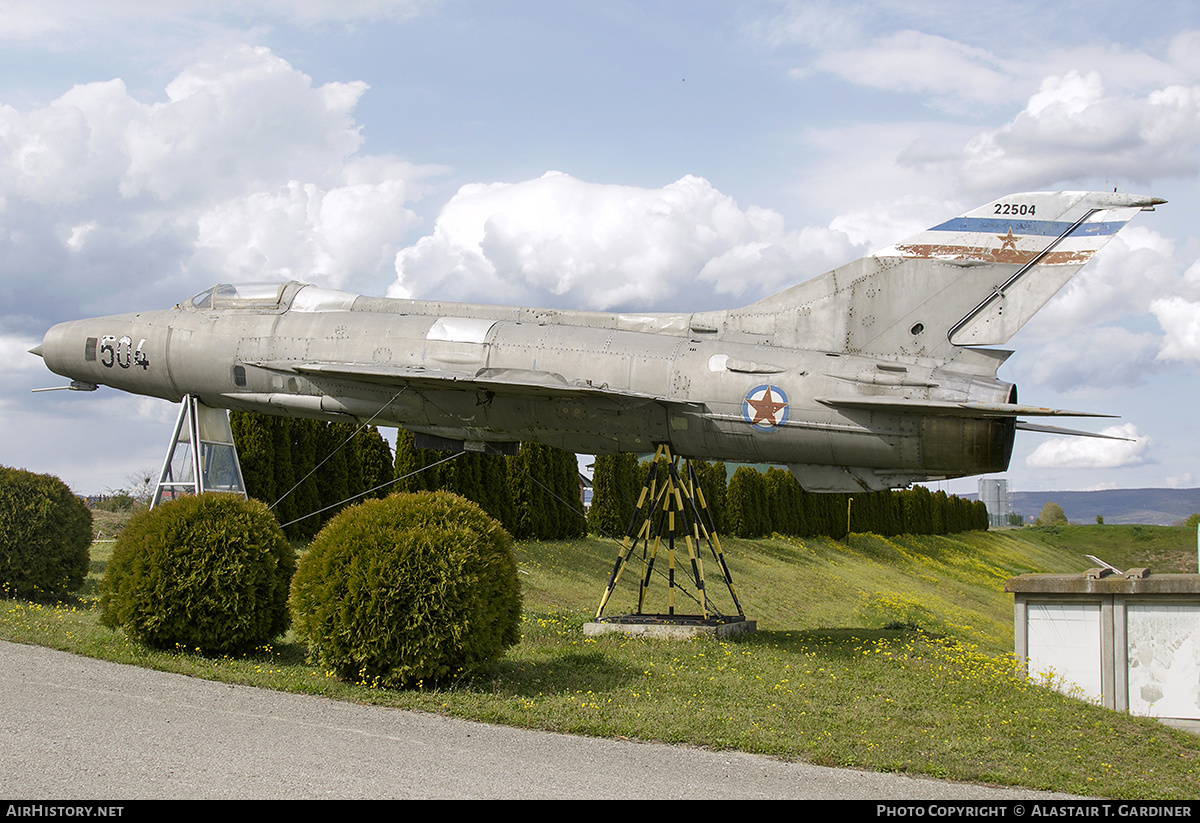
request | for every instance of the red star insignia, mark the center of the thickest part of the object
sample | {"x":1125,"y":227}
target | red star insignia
{"x":765,"y":409}
{"x":1008,"y":242}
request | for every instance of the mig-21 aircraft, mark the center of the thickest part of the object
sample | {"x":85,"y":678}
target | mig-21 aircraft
{"x":872,"y":376}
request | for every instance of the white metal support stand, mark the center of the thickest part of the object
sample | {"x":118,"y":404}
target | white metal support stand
{"x":212,"y":466}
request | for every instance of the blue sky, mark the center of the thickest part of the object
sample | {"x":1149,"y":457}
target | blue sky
{"x":650,"y":155}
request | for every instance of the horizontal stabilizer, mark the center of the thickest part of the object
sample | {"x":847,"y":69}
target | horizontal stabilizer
{"x":948,"y":408}
{"x":1035,"y":427}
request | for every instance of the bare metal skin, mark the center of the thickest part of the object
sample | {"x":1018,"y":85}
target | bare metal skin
{"x":870,"y":376}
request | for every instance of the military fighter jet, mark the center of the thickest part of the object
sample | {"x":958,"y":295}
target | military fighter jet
{"x":874,"y":375}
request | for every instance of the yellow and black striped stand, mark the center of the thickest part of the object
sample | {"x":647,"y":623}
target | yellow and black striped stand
{"x":672,"y":506}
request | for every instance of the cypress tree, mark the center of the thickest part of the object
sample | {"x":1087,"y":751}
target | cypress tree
{"x":545,"y":490}
{"x":283,"y":506}
{"x":333,"y":478}
{"x":375,"y":462}
{"x":863,"y":513}
{"x":349,"y":434}
{"x":982,"y":521}
{"x":527,"y":513}
{"x":939,"y":509}
{"x":815,"y":518}
{"x":616,"y":484}
{"x":404,"y":461}
{"x":746,"y":504}
{"x":895,"y":515}
{"x":529,"y":517}
{"x":254,"y":440}
{"x":712,"y":479}
{"x":481,"y":478}
{"x":835,"y":514}
{"x":495,"y":490}
{"x":569,"y":488}
{"x":785,"y":502}
{"x":920,"y":519}
{"x":306,"y":501}
{"x":410,"y":461}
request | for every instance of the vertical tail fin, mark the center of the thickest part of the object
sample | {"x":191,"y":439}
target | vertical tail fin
{"x":971,"y":281}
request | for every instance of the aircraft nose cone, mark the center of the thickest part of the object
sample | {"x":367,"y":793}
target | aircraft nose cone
{"x":62,"y":348}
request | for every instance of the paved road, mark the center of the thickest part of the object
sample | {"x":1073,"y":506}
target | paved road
{"x":82,"y":729}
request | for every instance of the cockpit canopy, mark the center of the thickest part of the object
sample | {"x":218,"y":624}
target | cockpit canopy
{"x":248,"y":295}
{"x":281,"y":297}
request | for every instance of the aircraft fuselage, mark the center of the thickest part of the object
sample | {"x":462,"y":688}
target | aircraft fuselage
{"x":392,"y":361}
{"x":869,"y":376}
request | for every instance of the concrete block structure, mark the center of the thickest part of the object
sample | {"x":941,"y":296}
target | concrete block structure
{"x":1130,"y":642}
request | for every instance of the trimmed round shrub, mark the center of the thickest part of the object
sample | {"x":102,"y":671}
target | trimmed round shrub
{"x":209,"y":572}
{"x":415,"y":589}
{"x":45,"y":535}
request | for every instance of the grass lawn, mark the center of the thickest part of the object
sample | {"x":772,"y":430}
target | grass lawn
{"x":822,"y":681}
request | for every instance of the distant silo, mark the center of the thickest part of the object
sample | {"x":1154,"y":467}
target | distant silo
{"x":994,"y":494}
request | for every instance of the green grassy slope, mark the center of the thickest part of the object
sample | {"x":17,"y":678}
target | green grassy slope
{"x":1162,"y":549}
{"x":824,"y":680}
{"x":947,"y":585}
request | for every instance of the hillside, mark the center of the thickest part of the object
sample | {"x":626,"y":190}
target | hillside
{"x":1158,"y":507}
{"x":951,"y":584}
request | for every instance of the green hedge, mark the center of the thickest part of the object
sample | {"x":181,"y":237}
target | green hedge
{"x":209,"y":572}
{"x":45,"y":535}
{"x":412,"y":590}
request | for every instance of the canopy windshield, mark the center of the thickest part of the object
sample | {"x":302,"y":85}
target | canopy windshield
{"x":248,"y":295}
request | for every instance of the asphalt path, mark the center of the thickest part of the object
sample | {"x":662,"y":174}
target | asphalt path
{"x":73,"y":728}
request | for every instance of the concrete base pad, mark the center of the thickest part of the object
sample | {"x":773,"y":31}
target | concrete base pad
{"x":667,"y":628}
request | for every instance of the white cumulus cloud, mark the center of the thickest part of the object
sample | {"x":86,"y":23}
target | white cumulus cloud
{"x":302,"y":231}
{"x":1091,"y":452}
{"x":247,"y":170}
{"x":1180,"y":319}
{"x":572,"y":243}
{"x":1074,"y":126}
{"x":1122,"y":279}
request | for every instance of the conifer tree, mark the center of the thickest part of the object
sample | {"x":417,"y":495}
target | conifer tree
{"x":412,"y":465}
{"x":545,"y":490}
{"x":568,"y":487}
{"x":712,"y":480}
{"x":982,"y":521}
{"x":616,"y":484}
{"x":785,"y":502}
{"x":347,"y":437}
{"x":490,"y":474}
{"x":835,"y":512}
{"x":333,"y":476}
{"x":375,"y":461}
{"x":481,"y":478}
{"x":256,"y":452}
{"x":893,"y":516}
{"x":746,"y":503}
{"x":306,"y":499}
{"x":939,"y":513}
{"x":284,"y":502}
{"x":527,"y":513}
